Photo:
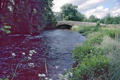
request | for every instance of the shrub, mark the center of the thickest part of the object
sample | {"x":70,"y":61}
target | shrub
{"x":98,"y":57}
{"x":80,"y":52}
{"x":88,"y":47}
{"x":95,"y":38}
{"x":91,"y":67}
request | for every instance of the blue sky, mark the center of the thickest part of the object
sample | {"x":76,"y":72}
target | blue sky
{"x":98,"y":8}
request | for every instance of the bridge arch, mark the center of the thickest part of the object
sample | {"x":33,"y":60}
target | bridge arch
{"x":64,"y":26}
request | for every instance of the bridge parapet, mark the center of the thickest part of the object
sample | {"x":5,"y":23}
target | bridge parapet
{"x":69,"y":24}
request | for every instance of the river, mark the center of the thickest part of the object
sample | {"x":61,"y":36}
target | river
{"x":26,"y":57}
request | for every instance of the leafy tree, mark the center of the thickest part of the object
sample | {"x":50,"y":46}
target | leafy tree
{"x":26,"y":16}
{"x":92,"y":18}
{"x":70,"y":12}
{"x":116,"y":20}
{"x":108,"y":19}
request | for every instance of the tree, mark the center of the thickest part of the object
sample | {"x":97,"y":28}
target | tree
{"x":26,"y":16}
{"x":92,"y":18}
{"x":70,"y":12}
{"x":108,"y":19}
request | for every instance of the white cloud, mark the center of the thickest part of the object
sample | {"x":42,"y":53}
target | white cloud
{"x":99,"y":12}
{"x":89,"y":4}
{"x":59,"y":3}
{"x":90,"y":7}
{"x":116,"y":10}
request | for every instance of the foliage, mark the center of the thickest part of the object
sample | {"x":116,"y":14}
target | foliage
{"x":4,"y":79}
{"x":83,"y":29}
{"x":92,"y":18}
{"x":95,"y":38}
{"x":98,"y":56}
{"x":111,"y":48}
{"x":91,"y":67}
{"x":90,"y":56}
{"x":26,"y":16}
{"x":108,"y":19}
{"x":80,"y":52}
{"x":70,"y":12}
{"x":89,"y":47}
{"x":112,"y":32}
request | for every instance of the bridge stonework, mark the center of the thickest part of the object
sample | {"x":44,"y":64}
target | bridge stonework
{"x":69,"y":24}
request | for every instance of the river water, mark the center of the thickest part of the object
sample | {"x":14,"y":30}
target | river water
{"x":52,"y":54}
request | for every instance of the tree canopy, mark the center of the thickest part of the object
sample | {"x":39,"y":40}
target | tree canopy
{"x":26,"y":16}
{"x":70,"y":12}
{"x":92,"y":18}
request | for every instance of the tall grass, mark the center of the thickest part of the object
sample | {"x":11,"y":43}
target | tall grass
{"x":98,"y":57}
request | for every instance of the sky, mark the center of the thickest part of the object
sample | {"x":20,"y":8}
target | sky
{"x":98,"y":8}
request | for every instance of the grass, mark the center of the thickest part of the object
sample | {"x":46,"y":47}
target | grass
{"x":98,"y":56}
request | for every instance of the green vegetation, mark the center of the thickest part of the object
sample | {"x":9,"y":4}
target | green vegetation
{"x":4,"y":79}
{"x":91,"y":68}
{"x":92,"y":18}
{"x":85,"y":29}
{"x":69,"y":12}
{"x":111,"y":20}
{"x":98,"y":57}
{"x":26,"y":16}
{"x":111,"y":48}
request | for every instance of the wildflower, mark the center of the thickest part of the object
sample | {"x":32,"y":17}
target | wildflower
{"x":32,"y":51}
{"x":23,"y":53}
{"x":56,"y":67}
{"x":29,"y":58}
{"x":13,"y":54}
{"x":46,"y":78}
{"x":41,"y":75}
{"x":71,"y":74}
{"x":30,"y":54}
{"x":31,"y":65}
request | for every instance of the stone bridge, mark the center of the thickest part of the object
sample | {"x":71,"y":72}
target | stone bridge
{"x":69,"y":24}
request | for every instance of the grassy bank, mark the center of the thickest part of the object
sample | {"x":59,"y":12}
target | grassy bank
{"x":98,"y":57}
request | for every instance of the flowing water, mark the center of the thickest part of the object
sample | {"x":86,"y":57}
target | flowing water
{"x":52,"y":54}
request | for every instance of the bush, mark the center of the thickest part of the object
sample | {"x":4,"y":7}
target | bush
{"x":80,"y":52}
{"x":91,"y":67}
{"x":88,"y":47}
{"x":98,"y":57}
{"x":95,"y":38}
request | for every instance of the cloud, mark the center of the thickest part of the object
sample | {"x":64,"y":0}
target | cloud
{"x":99,"y":8}
{"x":116,"y":10}
{"x":89,"y":4}
{"x":59,"y":3}
{"x":99,"y":12}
